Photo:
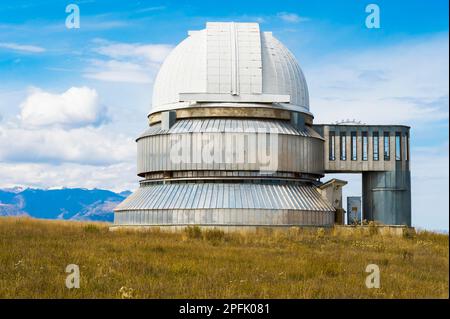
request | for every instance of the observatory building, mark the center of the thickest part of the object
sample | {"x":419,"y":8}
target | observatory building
{"x":231,"y":144}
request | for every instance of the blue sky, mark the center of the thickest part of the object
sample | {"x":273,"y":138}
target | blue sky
{"x":395,"y":74}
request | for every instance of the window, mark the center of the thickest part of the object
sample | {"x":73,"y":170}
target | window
{"x":354,"y":146}
{"x":331,"y":146}
{"x":364,"y":146}
{"x":398,"y":146}
{"x":343,"y":147}
{"x":376,"y":146}
{"x":386,"y":146}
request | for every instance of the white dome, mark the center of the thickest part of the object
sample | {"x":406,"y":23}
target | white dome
{"x":231,"y":63}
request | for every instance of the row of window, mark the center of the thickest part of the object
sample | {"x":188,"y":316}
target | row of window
{"x":365,"y":146}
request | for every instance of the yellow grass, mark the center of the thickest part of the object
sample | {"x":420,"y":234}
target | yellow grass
{"x":297,"y":264}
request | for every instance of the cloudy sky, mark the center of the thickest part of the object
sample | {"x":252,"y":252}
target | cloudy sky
{"x":73,"y":100}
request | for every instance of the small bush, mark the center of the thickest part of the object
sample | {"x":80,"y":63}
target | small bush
{"x":373,"y":229}
{"x":320,"y":233}
{"x":214,"y":235}
{"x":193,"y":232}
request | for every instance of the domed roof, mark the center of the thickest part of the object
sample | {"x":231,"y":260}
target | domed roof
{"x":233,"y":64}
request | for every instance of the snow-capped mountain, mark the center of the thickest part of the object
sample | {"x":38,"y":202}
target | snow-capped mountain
{"x":66,"y":203}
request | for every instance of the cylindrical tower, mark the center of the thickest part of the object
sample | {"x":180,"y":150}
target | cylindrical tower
{"x":230,"y":142}
{"x":387,"y":197}
{"x":387,"y":194}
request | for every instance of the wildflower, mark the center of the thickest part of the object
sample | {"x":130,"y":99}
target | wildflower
{"x":126,"y":293}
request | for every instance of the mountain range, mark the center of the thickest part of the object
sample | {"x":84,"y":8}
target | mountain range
{"x":65,"y":203}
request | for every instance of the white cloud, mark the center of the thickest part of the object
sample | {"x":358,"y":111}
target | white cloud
{"x":406,"y":83}
{"x":149,"y":52}
{"x":22,"y":47}
{"x":115,"y":177}
{"x":291,"y":17}
{"x":151,"y":9}
{"x":118,"y":71}
{"x":49,"y":146}
{"x":88,"y":145}
{"x":63,"y":128}
{"x":127,"y":62}
{"x":76,"y":107}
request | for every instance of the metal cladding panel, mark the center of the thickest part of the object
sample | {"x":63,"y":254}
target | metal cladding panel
{"x":387,"y":197}
{"x":225,"y":195}
{"x":225,"y":204}
{"x":282,"y":73}
{"x":235,"y":144}
{"x":223,"y":217}
{"x":231,"y":152}
{"x":233,"y":58}
{"x":219,"y":125}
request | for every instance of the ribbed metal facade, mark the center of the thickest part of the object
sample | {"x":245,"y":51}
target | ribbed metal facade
{"x":225,"y":204}
{"x":294,"y":150}
{"x":225,"y":195}
{"x":234,"y":192}
{"x":231,"y":125}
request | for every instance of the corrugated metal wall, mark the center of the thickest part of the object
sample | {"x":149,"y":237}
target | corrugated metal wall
{"x":225,"y":203}
{"x":294,"y":150}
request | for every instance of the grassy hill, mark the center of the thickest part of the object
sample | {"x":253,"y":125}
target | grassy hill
{"x":301,"y":263}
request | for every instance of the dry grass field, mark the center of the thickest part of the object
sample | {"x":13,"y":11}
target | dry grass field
{"x":311,"y":263}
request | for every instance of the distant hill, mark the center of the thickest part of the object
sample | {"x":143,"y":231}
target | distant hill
{"x":66,"y":203}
